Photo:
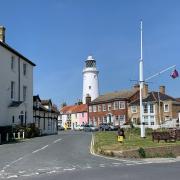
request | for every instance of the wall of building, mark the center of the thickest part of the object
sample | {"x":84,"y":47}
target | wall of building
{"x":6,"y":76}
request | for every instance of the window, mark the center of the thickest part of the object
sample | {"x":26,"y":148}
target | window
{"x":166,"y":107}
{"x":13,"y":119}
{"x":145,"y":108}
{"x":116,"y":105}
{"x":24,"y":93}
{"x":99,"y":108}
{"x":134,"y":109}
{"x":151,"y":108}
{"x":24,"y":69}
{"x":121,"y":105}
{"x":76,"y":115}
{"x":82,"y":114}
{"x":49,"y":124}
{"x":104,"y":107}
{"x":12,"y":90}
{"x":90,"y":108}
{"x":146,"y":120}
{"x":109,"y":107}
{"x":94,"y":108}
{"x":122,"y":117}
{"x":12,"y":63}
{"x":105,"y":119}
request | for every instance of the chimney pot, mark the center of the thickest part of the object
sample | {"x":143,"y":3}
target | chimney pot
{"x":162,"y":89}
{"x":2,"y":34}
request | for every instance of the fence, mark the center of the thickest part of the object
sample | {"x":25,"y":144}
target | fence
{"x":12,"y":136}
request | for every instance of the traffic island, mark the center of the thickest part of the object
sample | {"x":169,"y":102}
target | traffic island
{"x":133,"y":146}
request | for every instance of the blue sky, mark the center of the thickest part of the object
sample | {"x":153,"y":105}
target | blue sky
{"x":58,"y":35}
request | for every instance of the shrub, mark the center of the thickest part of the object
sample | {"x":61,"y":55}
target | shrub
{"x":32,"y":131}
{"x":142,"y":152}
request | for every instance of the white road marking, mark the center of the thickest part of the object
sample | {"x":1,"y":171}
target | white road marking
{"x":44,"y":147}
{"x":57,"y":141}
{"x":13,"y":176}
{"x":69,"y":169}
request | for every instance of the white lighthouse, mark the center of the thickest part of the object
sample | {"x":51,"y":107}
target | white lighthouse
{"x":90,"y":79}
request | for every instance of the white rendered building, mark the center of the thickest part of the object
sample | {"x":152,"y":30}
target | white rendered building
{"x":16,"y":86}
{"x":90,"y":79}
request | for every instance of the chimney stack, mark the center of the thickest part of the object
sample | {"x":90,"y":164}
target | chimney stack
{"x":88,"y":98}
{"x":136,"y":86}
{"x":145,"y":90}
{"x":2,"y":34}
{"x":162,"y":89}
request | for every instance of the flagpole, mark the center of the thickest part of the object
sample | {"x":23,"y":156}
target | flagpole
{"x":141,"y":84}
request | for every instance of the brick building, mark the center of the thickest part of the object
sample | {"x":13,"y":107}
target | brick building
{"x":158,"y":107}
{"x":111,"y":107}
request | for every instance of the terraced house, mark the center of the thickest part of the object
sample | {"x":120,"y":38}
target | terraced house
{"x":16,"y":85}
{"x":73,"y":116}
{"x":158,"y":108}
{"x":111,"y":107}
{"x":45,"y":115}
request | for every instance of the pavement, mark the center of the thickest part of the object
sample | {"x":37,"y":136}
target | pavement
{"x":69,"y":155}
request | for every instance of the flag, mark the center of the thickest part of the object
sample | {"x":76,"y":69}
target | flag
{"x":174,"y":74}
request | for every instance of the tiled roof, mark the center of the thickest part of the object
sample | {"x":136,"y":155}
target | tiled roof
{"x":154,"y":97}
{"x":46,"y":101}
{"x":74,"y":109}
{"x":115,"y":95}
{"x":15,"y":52}
{"x":178,"y":99}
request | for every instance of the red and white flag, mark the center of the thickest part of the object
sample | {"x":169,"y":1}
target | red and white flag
{"x":174,"y":74}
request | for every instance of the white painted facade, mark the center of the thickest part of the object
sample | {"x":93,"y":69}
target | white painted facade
{"x":12,"y":65}
{"x":45,"y":117}
{"x":90,"y":80}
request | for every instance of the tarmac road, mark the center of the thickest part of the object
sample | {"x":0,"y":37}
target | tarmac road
{"x":67,"y":156}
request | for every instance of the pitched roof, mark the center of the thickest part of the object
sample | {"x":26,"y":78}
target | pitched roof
{"x":46,"y":102}
{"x":154,"y":97}
{"x":74,"y":109}
{"x":125,"y":94}
{"x":178,"y":99}
{"x":6,"y":46}
{"x":36,"y":97}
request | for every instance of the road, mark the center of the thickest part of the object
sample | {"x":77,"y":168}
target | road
{"x":67,"y":156}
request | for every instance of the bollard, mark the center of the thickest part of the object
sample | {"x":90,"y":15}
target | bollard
{"x":7,"y":137}
{"x":23,"y":134}
{"x":14,"y":135}
{"x":19,"y":135}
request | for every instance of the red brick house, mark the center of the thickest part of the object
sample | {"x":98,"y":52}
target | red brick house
{"x":111,"y":107}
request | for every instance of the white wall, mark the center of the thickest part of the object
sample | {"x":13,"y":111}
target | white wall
{"x":6,"y":76}
{"x":90,"y":78}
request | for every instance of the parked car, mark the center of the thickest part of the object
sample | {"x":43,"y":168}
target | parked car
{"x":104,"y":127}
{"x":60,"y":128}
{"x":79,"y":127}
{"x":90,"y":128}
{"x":107,"y":127}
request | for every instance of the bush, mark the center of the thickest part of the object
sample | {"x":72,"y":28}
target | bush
{"x":32,"y":131}
{"x":142,"y":152}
